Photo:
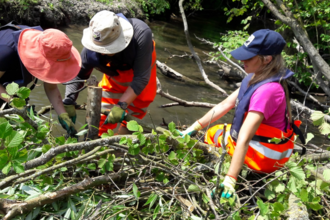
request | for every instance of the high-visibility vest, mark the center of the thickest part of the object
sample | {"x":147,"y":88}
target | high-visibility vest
{"x":113,"y":88}
{"x":244,"y":96}
{"x":262,"y":155}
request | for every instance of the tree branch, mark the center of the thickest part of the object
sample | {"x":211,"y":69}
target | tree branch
{"x":196,"y":57}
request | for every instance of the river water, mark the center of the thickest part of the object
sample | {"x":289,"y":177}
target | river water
{"x":170,"y":39}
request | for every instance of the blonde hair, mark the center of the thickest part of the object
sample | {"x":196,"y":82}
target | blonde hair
{"x":274,"y":67}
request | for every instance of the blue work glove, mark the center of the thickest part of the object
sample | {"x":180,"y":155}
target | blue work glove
{"x":192,"y":130}
{"x":116,"y":115}
{"x":67,"y":124}
{"x":71,"y":110}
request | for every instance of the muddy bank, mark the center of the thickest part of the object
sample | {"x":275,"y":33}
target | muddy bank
{"x":56,"y":13}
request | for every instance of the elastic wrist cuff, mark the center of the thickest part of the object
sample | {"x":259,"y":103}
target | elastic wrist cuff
{"x":232,"y":177}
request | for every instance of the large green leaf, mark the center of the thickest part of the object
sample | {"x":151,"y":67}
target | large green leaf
{"x":18,"y":167}
{"x":23,"y":92}
{"x":298,"y":173}
{"x":326,"y":174}
{"x":14,"y":139}
{"x":142,"y":139}
{"x":101,"y":162}
{"x":279,"y":188}
{"x":134,"y":126}
{"x":6,"y":169}
{"x":303,"y":195}
{"x":134,"y":149}
{"x":324,"y":128}
{"x":317,"y":118}
{"x":171,"y":126}
{"x":309,"y":137}
{"x":264,"y":208}
{"x":5,"y":129}
{"x":292,"y":185}
{"x":3,"y":159}
{"x":278,"y":207}
{"x":18,"y":103}
{"x":12,"y":88}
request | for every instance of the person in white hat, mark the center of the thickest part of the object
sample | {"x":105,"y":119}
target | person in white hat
{"x":28,"y":52}
{"x":122,"y":48}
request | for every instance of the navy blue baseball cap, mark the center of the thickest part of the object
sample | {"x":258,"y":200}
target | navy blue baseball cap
{"x":261,"y":42}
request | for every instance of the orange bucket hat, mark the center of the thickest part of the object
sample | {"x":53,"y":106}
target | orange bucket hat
{"x":49,"y":55}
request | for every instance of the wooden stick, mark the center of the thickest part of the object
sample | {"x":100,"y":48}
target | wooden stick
{"x":93,"y":111}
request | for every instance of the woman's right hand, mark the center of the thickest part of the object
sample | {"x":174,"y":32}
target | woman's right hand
{"x":192,"y":130}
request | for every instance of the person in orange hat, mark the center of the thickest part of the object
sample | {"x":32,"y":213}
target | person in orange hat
{"x":29,"y":52}
{"x":123,"y":49}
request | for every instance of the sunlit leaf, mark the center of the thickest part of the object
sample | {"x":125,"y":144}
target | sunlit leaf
{"x":275,"y":140}
{"x":14,"y":139}
{"x":171,"y":126}
{"x":326,"y":174}
{"x":5,"y":95}
{"x":324,"y":128}
{"x":317,"y":118}
{"x":132,"y":125}
{"x":6,"y":169}
{"x":18,"y":103}
{"x":82,"y":132}
{"x":309,"y":137}
{"x":23,"y":92}
{"x":12,"y":88}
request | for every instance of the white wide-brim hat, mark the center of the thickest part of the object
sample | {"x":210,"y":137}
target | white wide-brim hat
{"x":107,"y":33}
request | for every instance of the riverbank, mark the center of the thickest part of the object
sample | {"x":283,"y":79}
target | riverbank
{"x":57,"y":13}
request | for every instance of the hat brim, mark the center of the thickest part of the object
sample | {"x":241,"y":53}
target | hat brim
{"x":49,"y":71}
{"x":116,"y":46}
{"x":242,"y":54}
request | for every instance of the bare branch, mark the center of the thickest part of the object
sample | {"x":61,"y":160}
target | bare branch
{"x":21,"y":113}
{"x":196,"y":57}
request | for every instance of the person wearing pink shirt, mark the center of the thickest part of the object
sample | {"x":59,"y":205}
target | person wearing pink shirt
{"x":262,"y":112}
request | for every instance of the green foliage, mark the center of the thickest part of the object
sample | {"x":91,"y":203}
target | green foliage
{"x":229,"y":42}
{"x":22,"y":143}
{"x":318,"y":120}
{"x":313,"y":16}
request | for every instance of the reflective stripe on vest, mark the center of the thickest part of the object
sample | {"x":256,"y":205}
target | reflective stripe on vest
{"x":272,"y":154}
{"x":262,"y":157}
{"x":114,"y":87}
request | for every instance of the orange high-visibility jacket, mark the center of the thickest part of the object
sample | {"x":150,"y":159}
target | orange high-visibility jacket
{"x":114,"y":86}
{"x":262,"y":156}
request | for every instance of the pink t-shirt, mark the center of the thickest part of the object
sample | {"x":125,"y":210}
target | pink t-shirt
{"x":269,"y":99}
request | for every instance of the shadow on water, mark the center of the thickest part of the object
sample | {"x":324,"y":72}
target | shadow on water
{"x":169,"y":35}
